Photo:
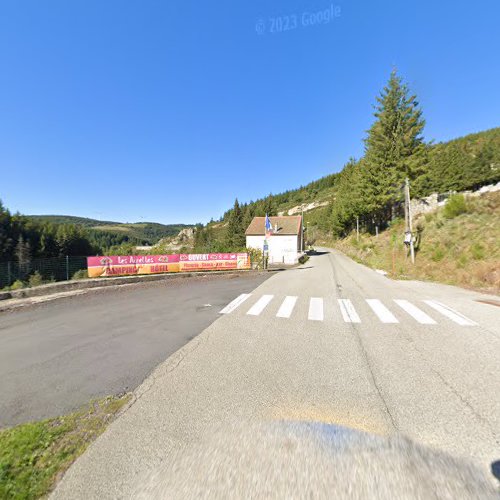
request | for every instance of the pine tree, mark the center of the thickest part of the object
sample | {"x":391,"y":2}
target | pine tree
{"x":394,"y":147}
{"x":23,"y":254}
{"x":248,"y":215}
{"x":235,"y":236}
{"x":6,"y":239}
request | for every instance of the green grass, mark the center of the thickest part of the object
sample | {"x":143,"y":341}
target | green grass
{"x":34,"y":456}
{"x":120,"y":228}
{"x":462,"y":249}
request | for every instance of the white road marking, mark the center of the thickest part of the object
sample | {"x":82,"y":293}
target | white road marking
{"x":381,"y":311}
{"x":316,"y":309}
{"x":450,"y":313}
{"x":235,"y":303}
{"x":286,"y":308}
{"x":348,"y":312}
{"x":415,"y":312}
{"x":260,"y":305}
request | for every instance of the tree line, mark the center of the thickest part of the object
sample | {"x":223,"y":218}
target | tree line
{"x":371,"y":189}
{"x":23,"y":239}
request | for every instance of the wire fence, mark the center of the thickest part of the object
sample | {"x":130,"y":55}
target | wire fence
{"x":39,"y":271}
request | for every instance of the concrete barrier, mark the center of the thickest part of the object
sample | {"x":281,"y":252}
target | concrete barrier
{"x":64,"y":286}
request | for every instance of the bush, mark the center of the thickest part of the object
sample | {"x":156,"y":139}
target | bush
{"x":303,"y":259}
{"x":82,"y":274}
{"x":17,"y":285}
{"x":438,"y":254}
{"x":35,"y":279}
{"x":255,"y":257}
{"x":477,"y":251}
{"x":462,"y":261}
{"x":456,"y":205}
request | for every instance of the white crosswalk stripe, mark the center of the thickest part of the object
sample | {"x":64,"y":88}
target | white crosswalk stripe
{"x":260,"y":305}
{"x":348,"y":312}
{"x":415,"y":312}
{"x":235,"y":303}
{"x":286,"y":308}
{"x":455,"y":316}
{"x":381,"y":311}
{"x":316,"y":309}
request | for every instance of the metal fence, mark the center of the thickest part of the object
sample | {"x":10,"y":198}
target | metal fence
{"x":39,"y":271}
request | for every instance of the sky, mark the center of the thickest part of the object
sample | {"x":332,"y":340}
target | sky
{"x":167,"y":111}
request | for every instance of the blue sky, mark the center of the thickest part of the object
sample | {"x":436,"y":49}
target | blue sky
{"x":167,"y":111}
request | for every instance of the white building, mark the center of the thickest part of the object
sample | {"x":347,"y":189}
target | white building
{"x":285,"y":242}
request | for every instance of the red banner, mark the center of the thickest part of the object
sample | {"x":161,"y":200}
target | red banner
{"x":151,"y":264}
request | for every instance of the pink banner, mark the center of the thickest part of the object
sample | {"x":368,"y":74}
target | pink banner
{"x":128,"y":260}
{"x":116,"y":265}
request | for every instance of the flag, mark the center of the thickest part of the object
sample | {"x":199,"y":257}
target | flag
{"x":269,"y":227}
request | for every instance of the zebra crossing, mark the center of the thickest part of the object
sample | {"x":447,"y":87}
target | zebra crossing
{"x":391,"y":312}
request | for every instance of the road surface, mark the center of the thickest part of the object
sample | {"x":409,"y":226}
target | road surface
{"x":56,"y":357}
{"x":330,"y":341}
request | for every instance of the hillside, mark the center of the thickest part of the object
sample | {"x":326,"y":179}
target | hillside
{"x":71,"y":219}
{"x":464,"y":163}
{"x":108,"y":233}
{"x":455,"y":248}
{"x":332,"y":203}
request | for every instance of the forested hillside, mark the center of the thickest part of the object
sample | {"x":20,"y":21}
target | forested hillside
{"x":23,"y":238}
{"x":371,"y":188}
{"x":104,"y":235}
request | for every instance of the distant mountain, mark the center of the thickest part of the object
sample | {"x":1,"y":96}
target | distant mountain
{"x":140,"y":233}
{"x":72,"y":219}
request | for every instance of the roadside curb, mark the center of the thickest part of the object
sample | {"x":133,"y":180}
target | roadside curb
{"x":20,"y":298}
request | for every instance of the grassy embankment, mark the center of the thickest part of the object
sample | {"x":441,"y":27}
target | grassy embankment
{"x":34,"y":456}
{"x":459,"y":244}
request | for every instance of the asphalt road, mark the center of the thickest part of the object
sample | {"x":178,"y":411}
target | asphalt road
{"x":57,"y":356}
{"x":344,"y":353}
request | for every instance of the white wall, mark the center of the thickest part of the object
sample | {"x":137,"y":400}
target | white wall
{"x":283,"y":249}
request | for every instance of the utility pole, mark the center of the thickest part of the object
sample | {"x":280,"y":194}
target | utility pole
{"x":408,"y":224}
{"x":302,"y":232}
{"x":357,"y":228}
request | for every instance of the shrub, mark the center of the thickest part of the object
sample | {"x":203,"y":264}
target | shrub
{"x":35,"y":279}
{"x":438,"y":254}
{"x":82,"y":274}
{"x":17,"y":285}
{"x":303,"y":259}
{"x":477,"y":251}
{"x":439,"y":223}
{"x":255,"y":257}
{"x":462,"y":261}
{"x":456,"y":205}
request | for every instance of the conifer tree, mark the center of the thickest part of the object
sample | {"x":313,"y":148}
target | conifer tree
{"x":394,"y":147}
{"x":23,"y":254}
{"x":6,"y":239}
{"x":235,"y":236}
